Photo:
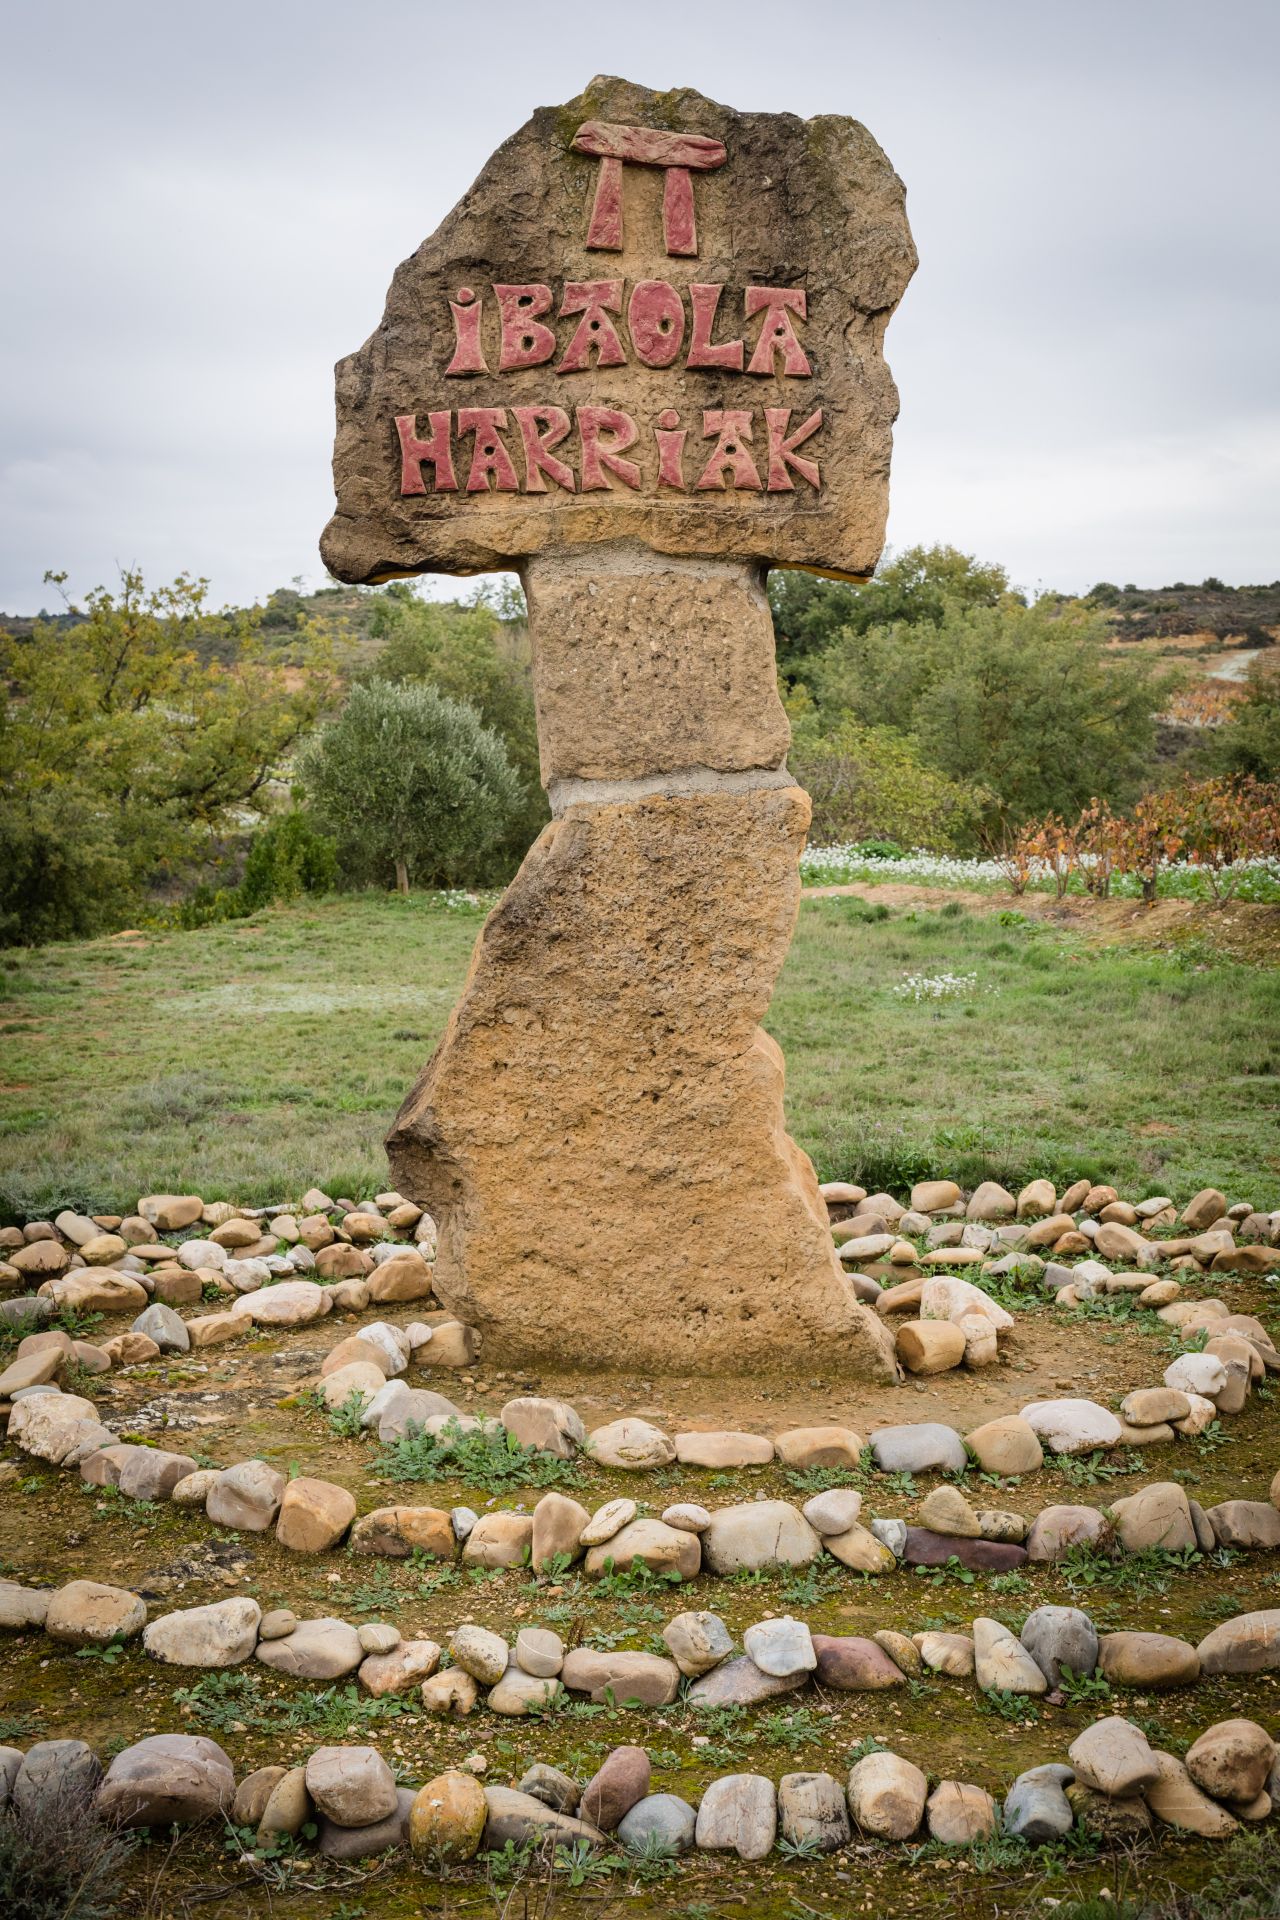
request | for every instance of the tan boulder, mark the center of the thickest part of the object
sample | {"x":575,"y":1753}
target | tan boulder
{"x":314,"y":1515}
{"x":213,"y":1329}
{"x":1008,"y":1446}
{"x":393,"y":1533}
{"x":170,"y":1212}
{"x":804,"y":1447}
{"x":406,"y":1277}
{"x":1204,"y":1209}
{"x":351,"y":1352}
{"x":931,"y":1196}
{"x":1036,"y":1198}
{"x":446,"y":1820}
{"x":642,"y":1247}
{"x":499,"y":1540}
{"x":132,"y":1349}
{"x":103,"y":1250}
{"x":342,"y":1262}
{"x":930,"y":1346}
{"x":95,"y":1290}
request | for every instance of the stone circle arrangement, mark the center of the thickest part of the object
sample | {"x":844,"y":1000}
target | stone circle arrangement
{"x":932,"y":1267}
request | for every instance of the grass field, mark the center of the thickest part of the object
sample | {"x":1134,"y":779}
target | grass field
{"x":250,"y":1059}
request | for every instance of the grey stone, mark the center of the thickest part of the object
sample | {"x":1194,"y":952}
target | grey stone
{"x":661,"y":1817}
{"x":1058,"y":1637}
{"x":353,"y":1786}
{"x":924,"y":1447}
{"x":57,"y":1778}
{"x":740,"y":1683}
{"x":168,"y":1779}
{"x":891,"y":1534}
{"x":324,"y":1649}
{"x":756,"y":1534}
{"x":555,"y":1789}
{"x":738,"y":1814}
{"x":219,"y":1635}
{"x":360,"y":1843}
{"x":521,"y":1818}
{"x":463,"y":1521}
{"x":1036,"y":1808}
{"x":167,"y":1328}
{"x":812,"y":1809}
{"x":697,"y":1642}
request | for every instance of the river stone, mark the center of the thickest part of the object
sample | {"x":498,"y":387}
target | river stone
{"x":1251,"y":1524}
{"x":959,"y":1814}
{"x":1058,"y":1637}
{"x":1232,"y":1760}
{"x":945,"y":1510}
{"x":1036,"y":1808}
{"x":852,"y":1664}
{"x":1156,"y":1516}
{"x":393,"y":1533}
{"x":446,"y":1820}
{"x":1199,"y":1373}
{"x":926,"y":1447}
{"x":631,"y":1444}
{"x":1055,"y":1530}
{"x":887,"y":1796}
{"x":660,"y":1817}
{"x":294,"y":1303}
{"x":450,"y":1695}
{"x":1002,"y":1662}
{"x":481,"y":1653}
{"x":812,"y":1811}
{"x":891,"y":1534}
{"x":376,"y":1636}
{"x":523,"y":1819}
{"x":1007,"y":1446}
{"x":1113,"y":1757}
{"x":323,"y":1649}
{"x":648,"y":1678}
{"x":352,"y":1786}
{"x":901,"y":1649}
{"x":1072,"y":1426}
{"x":621,"y":1781}
{"x":314,"y":1515}
{"x":723,"y":1450}
{"x":1152,"y":1406}
{"x":1178,"y":1801}
{"x":61,"y":1428}
{"x":1250,"y":1643}
{"x":517,"y":1692}
{"x":558,"y":1522}
{"x":650,"y":1543}
{"x":555,"y":1789}
{"x":757,"y":1534}
{"x":56,"y":1779}
{"x":402,"y":1667}
{"x":738,"y":1814}
{"x":802,"y":1448}
{"x":606,"y":1521}
{"x":246,"y":1496}
{"x":539,"y":1652}
{"x":949,"y":1653}
{"x":552,"y":1426}
{"x":253,"y":1795}
{"x":168,"y":1779}
{"x":859,"y":1548}
{"x":22,"y":1607}
{"x":927,"y":1549}
{"x":687,"y":1517}
{"x":85,"y":1613}
{"x":833,"y":1511}
{"x":360,"y":1377}
{"x":740,"y":1683}
{"x":499,"y":1540}
{"x":697,"y":1642}
{"x":780,"y":1646}
{"x":1148,"y":1660}
{"x":219,"y":1635}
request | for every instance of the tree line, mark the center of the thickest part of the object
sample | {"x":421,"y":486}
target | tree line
{"x":161,"y":759}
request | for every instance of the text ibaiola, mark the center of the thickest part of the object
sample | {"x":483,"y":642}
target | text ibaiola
{"x":514,"y":449}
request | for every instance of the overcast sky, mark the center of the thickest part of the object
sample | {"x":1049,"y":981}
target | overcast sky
{"x":203,"y":206}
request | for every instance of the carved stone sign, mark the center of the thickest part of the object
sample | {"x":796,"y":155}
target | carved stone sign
{"x":641,"y":361}
{"x":631,"y":330}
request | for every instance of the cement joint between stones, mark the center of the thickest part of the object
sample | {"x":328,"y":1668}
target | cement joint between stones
{"x":564,"y":794}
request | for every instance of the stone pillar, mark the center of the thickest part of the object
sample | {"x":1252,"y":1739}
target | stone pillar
{"x":600,"y":1131}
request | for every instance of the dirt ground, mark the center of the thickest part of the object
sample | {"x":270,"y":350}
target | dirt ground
{"x":250,"y":1398}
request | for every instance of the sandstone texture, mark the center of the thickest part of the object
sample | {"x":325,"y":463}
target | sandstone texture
{"x":610,"y":1023}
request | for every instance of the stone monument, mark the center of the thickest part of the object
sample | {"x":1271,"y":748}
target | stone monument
{"x":641,"y":361}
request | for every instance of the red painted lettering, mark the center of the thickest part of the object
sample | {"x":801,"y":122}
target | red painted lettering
{"x":776,"y":333}
{"x":733,"y":427}
{"x":604,"y":235}
{"x":670,"y":449}
{"x":655,"y":316}
{"x":468,"y":353}
{"x":679,"y":231}
{"x":782,"y":450}
{"x":595,"y":300}
{"x":525,"y":342}
{"x":538,"y":458}
{"x":702,"y":353}
{"x":414,"y":452}
{"x":489,"y":454}
{"x":623,"y":431}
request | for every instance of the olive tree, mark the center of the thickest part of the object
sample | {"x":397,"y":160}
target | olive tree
{"x":407,"y":780}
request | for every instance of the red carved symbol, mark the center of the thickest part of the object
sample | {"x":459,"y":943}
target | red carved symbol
{"x":679,"y":154}
{"x":782,"y":449}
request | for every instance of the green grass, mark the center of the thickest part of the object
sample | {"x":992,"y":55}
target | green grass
{"x":250,"y":1059}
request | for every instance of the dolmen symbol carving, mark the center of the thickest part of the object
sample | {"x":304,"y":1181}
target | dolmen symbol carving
{"x":600,"y":1130}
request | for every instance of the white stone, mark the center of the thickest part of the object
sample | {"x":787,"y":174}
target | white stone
{"x":1199,"y":1373}
{"x":780,"y":1646}
{"x":1072,"y":1426}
